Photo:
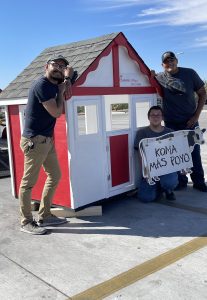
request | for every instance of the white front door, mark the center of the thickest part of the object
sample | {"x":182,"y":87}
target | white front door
{"x":119,"y":143}
{"x":88,"y":166}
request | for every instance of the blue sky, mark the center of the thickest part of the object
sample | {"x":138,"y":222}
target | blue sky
{"x":27,"y":27}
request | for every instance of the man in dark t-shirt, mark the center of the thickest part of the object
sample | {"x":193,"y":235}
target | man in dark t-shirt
{"x":182,"y":110}
{"x":40,"y":92}
{"x":45,"y":104}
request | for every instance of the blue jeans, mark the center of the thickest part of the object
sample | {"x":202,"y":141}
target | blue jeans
{"x":149,"y":193}
{"x":197,"y":174}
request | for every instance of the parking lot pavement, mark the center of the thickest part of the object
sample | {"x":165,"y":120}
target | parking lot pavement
{"x":85,"y":256}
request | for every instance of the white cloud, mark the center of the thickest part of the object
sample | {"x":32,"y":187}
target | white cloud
{"x":144,"y":22}
{"x":201,"y":42}
{"x":179,"y":13}
{"x":188,"y":14}
{"x":157,"y":11}
{"x":172,"y":13}
{"x":203,"y":27}
{"x":116,"y":4}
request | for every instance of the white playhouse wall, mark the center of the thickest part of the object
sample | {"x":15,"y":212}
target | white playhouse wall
{"x":89,"y":151}
{"x":103,"y":75}
{"x":130,"y":74}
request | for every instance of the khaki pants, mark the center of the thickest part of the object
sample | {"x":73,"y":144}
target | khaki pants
{"x":42,"y":153}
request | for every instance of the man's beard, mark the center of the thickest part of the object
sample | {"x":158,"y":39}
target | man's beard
{"x":59,"y":79}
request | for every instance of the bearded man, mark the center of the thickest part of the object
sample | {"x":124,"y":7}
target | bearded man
{"x":44,"y":106}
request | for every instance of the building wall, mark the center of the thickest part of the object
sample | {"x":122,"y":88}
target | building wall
{"x":62,"y":195}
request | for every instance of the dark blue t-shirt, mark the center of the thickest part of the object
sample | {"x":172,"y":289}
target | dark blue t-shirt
{"x":37,"y":120}
{"x":180,"y":107}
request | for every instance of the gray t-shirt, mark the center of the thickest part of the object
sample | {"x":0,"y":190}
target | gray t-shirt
{"x":147,"y":132}
{"x":180,"y":107}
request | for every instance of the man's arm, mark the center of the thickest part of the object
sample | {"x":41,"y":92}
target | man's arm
{"x":54,"y":106}
{"x":201,"y":101}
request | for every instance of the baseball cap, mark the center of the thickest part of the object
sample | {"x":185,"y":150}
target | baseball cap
{"x":57,"y":57}
{"x":168,"y":54}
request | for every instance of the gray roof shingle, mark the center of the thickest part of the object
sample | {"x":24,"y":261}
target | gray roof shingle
{"x":79,"y":54}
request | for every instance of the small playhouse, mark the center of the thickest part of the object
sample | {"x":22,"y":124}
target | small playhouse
{"x":94,"y":140}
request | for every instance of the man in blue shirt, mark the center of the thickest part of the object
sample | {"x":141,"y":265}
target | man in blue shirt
{"x":45,"y":105}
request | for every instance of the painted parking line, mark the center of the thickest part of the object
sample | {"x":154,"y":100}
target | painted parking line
{"x":123,"y":280}
{"x":200,"y":210}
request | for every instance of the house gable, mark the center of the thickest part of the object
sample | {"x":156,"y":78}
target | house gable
{"x":116,"y":68}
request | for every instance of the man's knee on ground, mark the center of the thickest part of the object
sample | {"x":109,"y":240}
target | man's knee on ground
{"x":169,"y":181}
{"x":145,"y":196}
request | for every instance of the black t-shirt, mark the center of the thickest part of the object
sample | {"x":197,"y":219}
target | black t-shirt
{"x":181,"y":107}
{"x":37,"y":120}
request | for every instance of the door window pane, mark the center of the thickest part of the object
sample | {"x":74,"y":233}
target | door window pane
{"x":87,"y":119}
{"x":141,"y":113}
{"x":119,"y":116}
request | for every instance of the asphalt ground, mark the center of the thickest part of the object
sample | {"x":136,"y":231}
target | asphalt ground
{"x":133,"y":251}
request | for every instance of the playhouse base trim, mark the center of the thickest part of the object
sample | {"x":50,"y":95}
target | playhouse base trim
{"x":95,"y":210}
{"x":69,"y":213}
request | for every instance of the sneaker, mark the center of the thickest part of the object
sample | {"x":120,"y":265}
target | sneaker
{"x":201,"y":187}
{"x":170,"y":196}
{"x":159,"y":196}
{"x":132,"y":193}
{"x":33,"y":228}
{"x":51,"y":221}
{"x":181,"y":186}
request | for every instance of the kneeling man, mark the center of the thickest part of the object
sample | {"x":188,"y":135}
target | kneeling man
{"x":168,"y":182}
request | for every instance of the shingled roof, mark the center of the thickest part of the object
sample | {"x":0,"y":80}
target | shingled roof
{"x":79,"y":54}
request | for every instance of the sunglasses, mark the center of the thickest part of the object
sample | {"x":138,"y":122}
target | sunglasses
{"x":58,"y":66}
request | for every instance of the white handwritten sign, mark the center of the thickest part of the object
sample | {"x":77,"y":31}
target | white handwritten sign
{"x":168,"y":155}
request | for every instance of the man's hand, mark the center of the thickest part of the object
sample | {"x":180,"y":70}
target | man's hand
{"x":191,"y":123}
{"x":68,"y":89}
{"x":68,"y":86}
{"x":62,"y":88}
{"x":153,"y":73}
{"x":69,"y":73}
{"x":201,"y":102}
